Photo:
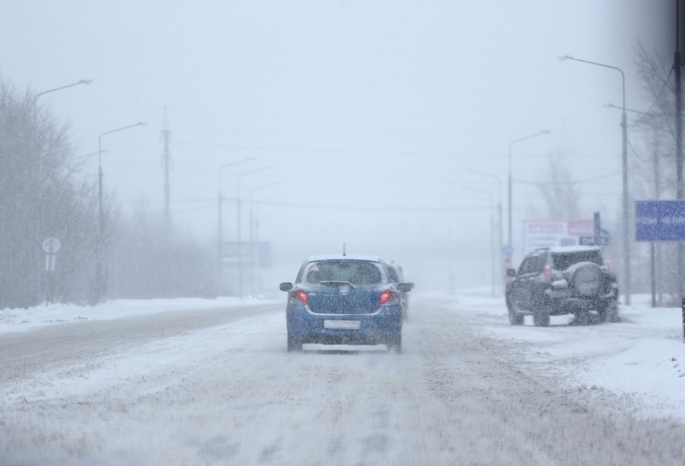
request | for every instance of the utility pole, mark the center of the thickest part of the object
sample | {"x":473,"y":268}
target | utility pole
{"x":680,"y":193}
{"x":166,"y":158}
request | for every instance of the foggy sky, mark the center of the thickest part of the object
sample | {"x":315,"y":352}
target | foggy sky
{"x":382,"y":106}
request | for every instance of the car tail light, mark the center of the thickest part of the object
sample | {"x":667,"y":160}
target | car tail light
{"x":548,"y":271}
{"x":299,"y":297}
{"x":388,"y":297}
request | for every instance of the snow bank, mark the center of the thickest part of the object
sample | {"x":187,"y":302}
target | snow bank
{"x":17,"y":320}
{"x":643,"y":357}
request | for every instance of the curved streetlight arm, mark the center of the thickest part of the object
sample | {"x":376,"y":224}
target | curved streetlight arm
{"x":259,"y":188}
{"x":623,"y":75}
{"x":222,"y":167}
{"x":83,"y":81}
{"x":246,"y":174}
{"x":496,"y":178}
{"x":643,"y":114}
{"x":482,"y":191}
{"x":530,"y":136}
{"x":140,"y":123}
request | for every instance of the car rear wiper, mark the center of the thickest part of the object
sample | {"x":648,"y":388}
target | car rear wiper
{"x":336,"y":283}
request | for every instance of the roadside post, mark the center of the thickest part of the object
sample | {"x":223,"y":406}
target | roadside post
{"x":507,"y":252}
{"x":597,"y":228}
{"x":51,"y":247}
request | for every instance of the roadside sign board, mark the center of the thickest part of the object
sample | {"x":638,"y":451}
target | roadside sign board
{"x":590,"y":241}
{"x":552,"y":233}
{"x":246,"y":253}
{"x":660,"y":220}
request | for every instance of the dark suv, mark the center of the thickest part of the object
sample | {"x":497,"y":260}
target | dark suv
{"x":563,"y":280}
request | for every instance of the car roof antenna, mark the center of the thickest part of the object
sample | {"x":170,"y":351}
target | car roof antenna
{"x":344,"y":253}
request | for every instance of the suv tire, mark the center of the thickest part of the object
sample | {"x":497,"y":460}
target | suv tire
{"x":609,"y":312}
{"x":515,"y":317}
{"x":541,"y":317}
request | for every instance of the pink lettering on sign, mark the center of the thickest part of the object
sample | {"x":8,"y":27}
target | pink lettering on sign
{"x":545,"y":226}
{"x":581,"y":228}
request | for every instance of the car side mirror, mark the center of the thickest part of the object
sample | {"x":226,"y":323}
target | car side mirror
{"x":511,"y":273}
{"x":405,"y":287}
{"x":286,"y":286}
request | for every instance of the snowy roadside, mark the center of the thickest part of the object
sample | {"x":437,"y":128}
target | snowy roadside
{"x":643,"y":357}
{"x":18,"y":320}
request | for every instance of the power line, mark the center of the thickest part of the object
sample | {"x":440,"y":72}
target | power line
{"x":587,"y":180}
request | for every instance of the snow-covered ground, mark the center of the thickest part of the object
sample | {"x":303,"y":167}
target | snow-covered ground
{"x":17,"y":320}
{"x":642,"y":357}
{"x":204,"y":386}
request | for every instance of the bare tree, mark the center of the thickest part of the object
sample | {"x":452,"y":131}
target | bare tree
{"x":559,"y":196}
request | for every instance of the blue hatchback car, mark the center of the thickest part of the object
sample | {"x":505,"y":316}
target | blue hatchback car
{"x":344,"y":299}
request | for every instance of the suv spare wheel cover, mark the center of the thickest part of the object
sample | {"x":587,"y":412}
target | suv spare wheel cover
{"x":587,"y":279}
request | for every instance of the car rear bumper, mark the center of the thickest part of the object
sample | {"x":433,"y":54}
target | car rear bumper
{"x":574,"y":305}
{"x":374,"y":328}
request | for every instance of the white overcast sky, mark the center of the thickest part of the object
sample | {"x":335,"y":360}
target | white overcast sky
{"x":382,"y":105}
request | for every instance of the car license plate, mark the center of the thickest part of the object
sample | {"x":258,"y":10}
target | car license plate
{"x":341,"y":324}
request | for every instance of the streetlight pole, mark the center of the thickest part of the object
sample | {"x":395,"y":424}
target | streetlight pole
{"x":240,"y":250}
{"x":680,"y":186}
{"x":100,"y":262}
{"x":253,"y":251}
{"x":515,"y":141}
{"x":492,"y":233}
{"x":499,"y":215}
{"x":220,"y":221}
{"x":654,"y":249}
{"x":37,"y":174}
{"x":624,"y":160}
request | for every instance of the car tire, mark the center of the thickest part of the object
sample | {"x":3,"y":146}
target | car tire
{"x":609,"y":312}
{"x":515,"y":317}
{"x":541,"y":317}
{"x":294,"y":344}
{"x":395,"y":344}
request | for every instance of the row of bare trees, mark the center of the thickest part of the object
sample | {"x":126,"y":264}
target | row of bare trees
{"x":42,"y":195}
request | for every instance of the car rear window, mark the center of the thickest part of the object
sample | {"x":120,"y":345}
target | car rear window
{"x":352,"y":271}
{"x":566,"y":260}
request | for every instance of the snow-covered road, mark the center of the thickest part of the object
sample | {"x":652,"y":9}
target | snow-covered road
{"x":211,"y":386}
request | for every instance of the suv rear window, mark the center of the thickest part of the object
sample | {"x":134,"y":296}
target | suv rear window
{"x":355,"y":272}
{"x":563,"y":261}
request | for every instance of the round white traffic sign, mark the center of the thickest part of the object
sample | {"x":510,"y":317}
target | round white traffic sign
{"x":51,"y":245}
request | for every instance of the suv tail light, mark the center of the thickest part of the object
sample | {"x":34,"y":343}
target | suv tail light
{"x":548,"y":271}
{"x":298,"y":297}
{"x":389,"y":297}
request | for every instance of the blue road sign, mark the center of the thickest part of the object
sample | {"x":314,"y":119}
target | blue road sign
{"x":660,"y":220}
{"x":604,"y":239}
{"x":507,"y":251}
{"x":590,"y":241}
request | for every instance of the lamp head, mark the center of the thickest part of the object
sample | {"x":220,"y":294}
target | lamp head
{"x":85,"y":81}
{"x":564,"y":57}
